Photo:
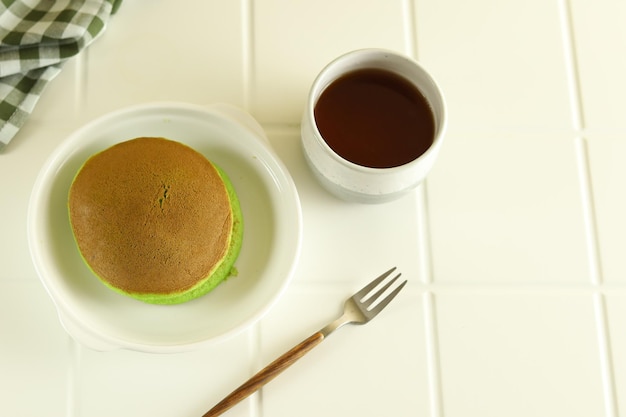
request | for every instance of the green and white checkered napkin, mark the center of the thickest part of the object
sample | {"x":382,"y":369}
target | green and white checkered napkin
{"x":36,"y":38}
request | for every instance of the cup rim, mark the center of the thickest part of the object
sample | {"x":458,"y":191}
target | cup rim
{"x":441,"y":123}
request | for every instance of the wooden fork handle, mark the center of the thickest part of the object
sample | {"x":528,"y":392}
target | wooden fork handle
{"x":266,"y":374}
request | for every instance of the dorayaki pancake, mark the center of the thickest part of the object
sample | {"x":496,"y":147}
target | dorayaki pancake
{"x":156,"y":220}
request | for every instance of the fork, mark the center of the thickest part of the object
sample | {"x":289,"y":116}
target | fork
{"x":358,"y":309}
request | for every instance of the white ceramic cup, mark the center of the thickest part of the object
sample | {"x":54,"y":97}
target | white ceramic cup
{"x":358,"y":183}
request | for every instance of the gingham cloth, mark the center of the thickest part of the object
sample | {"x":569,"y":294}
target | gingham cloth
{"x":36,"y":38}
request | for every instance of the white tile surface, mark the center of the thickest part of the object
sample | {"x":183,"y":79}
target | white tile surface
{"x":35,"y":353}
{"x":506,"y":208}
{"x":500,"y":63}
{"x":520,"y":346}
{"x":616,"y":308}
{"x":367,"y":371}
{"x":513,"y":248}
{"x":330,"y":226}
{"x":155,"y":52}
{"x":126,"y":383}
{"x":607,"y":172}
{"x":19,"y":169}
{"x":599,"y":34}
{"x":293,"y":41}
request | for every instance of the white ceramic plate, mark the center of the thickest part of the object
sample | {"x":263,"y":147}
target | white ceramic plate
{"x":103,"y":319}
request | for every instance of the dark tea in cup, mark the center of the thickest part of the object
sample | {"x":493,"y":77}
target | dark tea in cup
{"x":375,"y":118}
{"x":373,"y":125}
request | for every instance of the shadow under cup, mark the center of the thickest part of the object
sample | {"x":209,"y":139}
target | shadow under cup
{"x":374,"y":178}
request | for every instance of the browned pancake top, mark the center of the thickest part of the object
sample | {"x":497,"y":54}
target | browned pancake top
{"x":150,"y":215}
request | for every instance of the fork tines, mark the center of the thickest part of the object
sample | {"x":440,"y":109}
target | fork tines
{"x":367,"y":299}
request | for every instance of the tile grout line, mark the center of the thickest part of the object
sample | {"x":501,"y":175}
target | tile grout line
{"x":573,"y":80}
{"x":254,"y":344}
{"x":576,"y":109}
{"x":73,"y":376}
{"x":247,"y":48}
{"x":606,"y":368}
{"x":410,"y":28}
{"x":248,"y":58}
{"x":424,"y":254}
{"x":491,"y":289}
{"x":586,"y":198}
{"x":432,"y":356}
{"x":593,"y":255}
{"x":430,"y":321}
{"x":73,"y":384}
{"x":424,"y":251}
{"x":80,"y":83}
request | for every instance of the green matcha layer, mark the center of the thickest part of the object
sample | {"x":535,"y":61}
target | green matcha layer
{"x":156,"y":221}
{"x":223,"y":270}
